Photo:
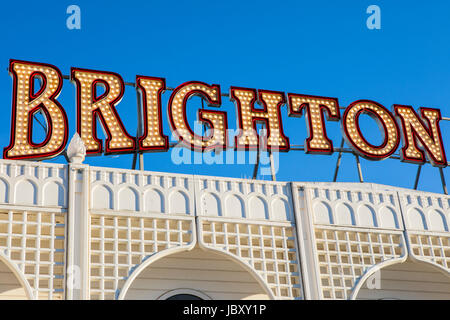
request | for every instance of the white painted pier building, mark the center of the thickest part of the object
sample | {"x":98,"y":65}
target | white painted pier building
{"x":80,"y":232}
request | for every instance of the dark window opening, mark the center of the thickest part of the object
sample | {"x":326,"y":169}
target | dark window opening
{"x":184,"y":296}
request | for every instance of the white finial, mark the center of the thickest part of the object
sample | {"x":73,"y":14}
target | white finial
{"x":76,"y":151}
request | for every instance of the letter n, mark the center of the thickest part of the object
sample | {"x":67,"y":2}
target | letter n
{"x":421,"y":137}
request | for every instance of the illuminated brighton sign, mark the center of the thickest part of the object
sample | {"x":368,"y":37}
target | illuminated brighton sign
{"x":421,"y":134}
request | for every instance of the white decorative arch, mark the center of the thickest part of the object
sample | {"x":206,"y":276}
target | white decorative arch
{"x":276,"y":210}
{"x":211,"y":204}
{"x":154,"y":200}
{"x":29,"y":194}
{"x":174,"y":206}
{"x":60,"y":191}
{"x":432,"y":263}
{"x":243,"y":264}
{"x":131,"y":199}
{"x":153,"y":258}
{"x":391,"y":262}
{"x":19,"y":275}
{"x":388,"y":218}
{"x":106,"y":187}
{"x":344,"y":214}
{"x":416,"y":219}
{"x":5,"y":189}
{"x":366,"y":215}
{"x":165,"y":253}
{"x":437,"y":220}
{"x":369,"y":272}
{"x":257,"y":208}
{"x":241,"y":206}
{"x":322,"y":213}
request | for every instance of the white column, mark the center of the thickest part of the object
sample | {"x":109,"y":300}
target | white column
{"x":77,"y":285}
{"x":306,"y":244}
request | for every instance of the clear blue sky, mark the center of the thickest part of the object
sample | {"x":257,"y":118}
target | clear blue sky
{"x":310,"y":47}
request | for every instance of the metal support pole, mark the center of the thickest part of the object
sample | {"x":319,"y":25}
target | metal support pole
{"x":203,"y":108}
{"x":139,"y":133}
{"x":258,"y":150}
{"x":444,"y":186}
{"x":338,"y":162}
{"x":133,"y":166}
{"x":358,"y":164}
{"x":416,"y":182}
{"x":65,"y":155}
{"x":141,"y":161}
{"x":255,"y":169}
{"x":272,"y":168}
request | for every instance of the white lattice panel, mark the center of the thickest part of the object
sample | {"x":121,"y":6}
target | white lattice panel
{"x":35,"y":241}
{"x":270,"y":249}
{"x":427,"y":217}
{"x":345,"y":254}
{"x":33,"y":201}
{"x":244,"y":220}
{"x":434,"y":247}
{"x":352,"y":228}
{"x":120,"y":243}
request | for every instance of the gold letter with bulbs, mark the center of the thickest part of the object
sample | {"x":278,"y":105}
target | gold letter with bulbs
{"x":36,"y":87}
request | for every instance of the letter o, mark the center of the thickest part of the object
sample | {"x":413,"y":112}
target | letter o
{"x":386,"y":122}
